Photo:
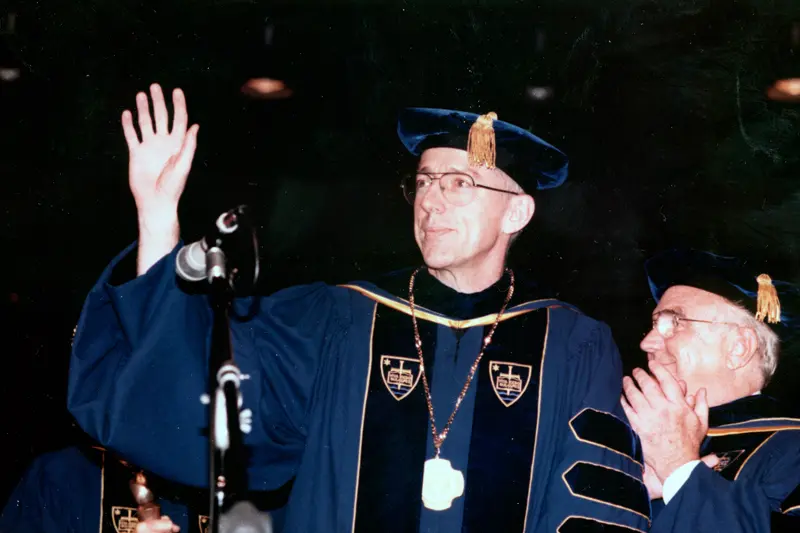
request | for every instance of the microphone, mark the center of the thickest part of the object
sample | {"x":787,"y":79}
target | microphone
{"x":204,"y":259}
{"x":244,"y":517}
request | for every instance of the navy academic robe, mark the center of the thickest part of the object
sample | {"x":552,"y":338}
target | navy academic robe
{"x":76,"y":490}
{"x":339,"y":407}
{"x":756,"y":486}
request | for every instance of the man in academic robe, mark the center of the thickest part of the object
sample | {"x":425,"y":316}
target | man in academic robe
{"x":446,"y":398}
{"x":85,"y":489}
{"x":720,"y":455}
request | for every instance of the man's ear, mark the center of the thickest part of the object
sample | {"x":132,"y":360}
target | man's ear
{"x":742,"y":348}
{"x":518,"y":213}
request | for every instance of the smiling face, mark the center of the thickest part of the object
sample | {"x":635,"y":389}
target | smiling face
{"x":453,"y":237}
{"x":719,"y":356}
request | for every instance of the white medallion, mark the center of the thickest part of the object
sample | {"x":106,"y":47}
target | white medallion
{"x":441,"y":484}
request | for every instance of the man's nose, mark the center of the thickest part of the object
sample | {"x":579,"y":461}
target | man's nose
{"x":652,"y":343}
{"x":432,"y":198}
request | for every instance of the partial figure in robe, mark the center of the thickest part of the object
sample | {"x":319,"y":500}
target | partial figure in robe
{"x":453,"y":397}
{"x":86,"y":490}
{"x":720,"y":453}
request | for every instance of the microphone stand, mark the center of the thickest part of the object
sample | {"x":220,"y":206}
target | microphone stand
{"x":227,"y":470}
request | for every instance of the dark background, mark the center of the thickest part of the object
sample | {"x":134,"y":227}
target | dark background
{"x":660,"y":104}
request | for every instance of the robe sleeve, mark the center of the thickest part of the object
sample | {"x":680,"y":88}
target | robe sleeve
{"x":139,"y":367}
{"x":709,"y":502}
{"x":602,"y":356}
{"x":601,"y":455}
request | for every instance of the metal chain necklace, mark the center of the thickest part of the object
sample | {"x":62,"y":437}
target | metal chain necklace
{"x":441,"y":483}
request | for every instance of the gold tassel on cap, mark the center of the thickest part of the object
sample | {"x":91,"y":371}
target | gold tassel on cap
{"x":481,"y":145}
{"x":768,"y":304}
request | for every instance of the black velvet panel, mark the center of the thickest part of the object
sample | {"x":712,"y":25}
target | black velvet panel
{"x":607,"y":431}
{"x":733,"y":451}
{"x":396,"y":429}
{"x":504,"y":427}
{"x":744,"y":409}
{"x":608,"y":486}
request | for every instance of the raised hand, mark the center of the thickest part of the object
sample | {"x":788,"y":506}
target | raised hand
{"x":160,"y":162}
{"x":159,"y":165}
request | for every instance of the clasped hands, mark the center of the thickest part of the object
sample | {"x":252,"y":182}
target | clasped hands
{"x":671,"y":424}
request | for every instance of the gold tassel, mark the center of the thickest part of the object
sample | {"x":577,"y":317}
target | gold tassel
{"x":481,"y":145}
{"x":768,"y":304}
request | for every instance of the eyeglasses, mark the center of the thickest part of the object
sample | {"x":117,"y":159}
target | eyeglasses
{"x":667,"y":322}
{"x":457,"y":188}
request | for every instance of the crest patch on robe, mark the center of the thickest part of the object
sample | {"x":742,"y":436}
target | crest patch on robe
{"x":509,"y":380}
{"x":400,"y":375}
{"x":125,"y":519}
{"x":726,"y":459}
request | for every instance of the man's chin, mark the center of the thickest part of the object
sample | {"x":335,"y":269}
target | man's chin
{"x":437,"y":259}
{"x":437,"y":263}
